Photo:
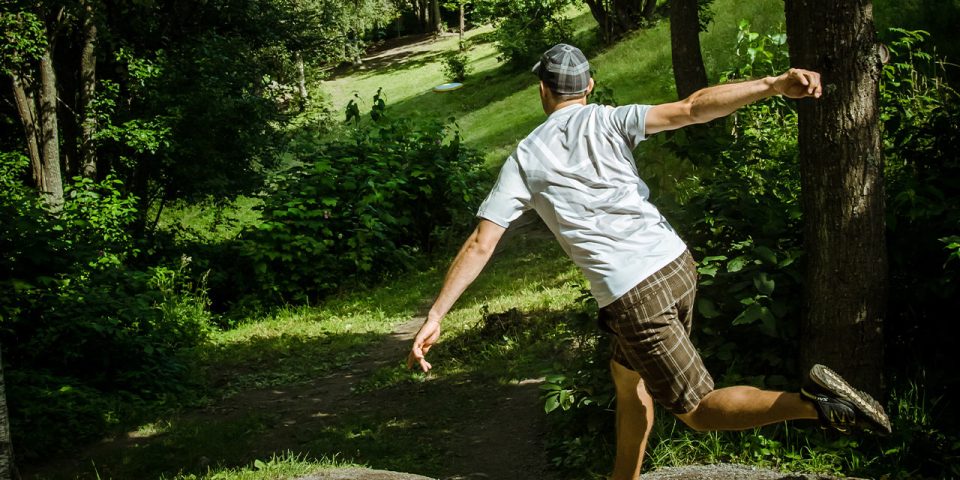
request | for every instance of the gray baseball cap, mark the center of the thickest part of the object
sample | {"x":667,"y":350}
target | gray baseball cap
{"x":565,"y":69}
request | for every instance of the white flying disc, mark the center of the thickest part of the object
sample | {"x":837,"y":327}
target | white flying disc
{"x":446,"y":87}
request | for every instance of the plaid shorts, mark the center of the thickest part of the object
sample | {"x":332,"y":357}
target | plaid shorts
{"x":651,"y":325}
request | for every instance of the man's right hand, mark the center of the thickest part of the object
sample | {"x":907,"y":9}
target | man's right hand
{"x":798,"y":83}
{"x":427,"y":336}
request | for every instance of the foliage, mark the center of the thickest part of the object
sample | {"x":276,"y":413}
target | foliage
{"x":80,"y":327}
{"x":361,"y":205}
{"x":527,"y":28}
{"x":921,"y":121}
{"x":24,"y":39}
{"x":455,"y":66}
{"x":579,"y":398}
{"x":743,"y":216}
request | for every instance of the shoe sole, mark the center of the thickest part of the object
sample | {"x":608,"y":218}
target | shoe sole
{"x":835,"y":384}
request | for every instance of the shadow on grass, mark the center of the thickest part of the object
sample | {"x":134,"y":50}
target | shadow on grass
{"x":452,"y":423}
{"x":342,"y":394}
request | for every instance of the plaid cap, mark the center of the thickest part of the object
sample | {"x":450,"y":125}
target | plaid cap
{"x":564,"y":68}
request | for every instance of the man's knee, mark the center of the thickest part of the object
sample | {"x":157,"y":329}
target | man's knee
{"x":623,"y":377}
{"x":693,"y":419}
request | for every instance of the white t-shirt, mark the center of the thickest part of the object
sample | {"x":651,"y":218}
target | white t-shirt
{"x":577,"y":171}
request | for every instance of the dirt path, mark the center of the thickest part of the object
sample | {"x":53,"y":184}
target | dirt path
{"x":498,"y":434}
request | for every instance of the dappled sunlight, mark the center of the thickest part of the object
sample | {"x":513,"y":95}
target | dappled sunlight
{"x":150,"y":429}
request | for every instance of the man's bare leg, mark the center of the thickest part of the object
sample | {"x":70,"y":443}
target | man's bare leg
{"x":634,"y":421}
{"x":742,"y":407}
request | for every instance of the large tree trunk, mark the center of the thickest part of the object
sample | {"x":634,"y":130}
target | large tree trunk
{"x":27,"y":108}
{"x":649,"y":8}
{"x":422,"y":15}
{"x":301,"y":79}
{"x":38,"y":113}
{"x":841,"y":168}
{"x":688,"y":71}
{"x":88,"y":86}
{"x":617,"y":17}
{"x":463,"y":25}
{"x":8,"y":469}
{"x":52,"y":182}
{"x":437,"y":22}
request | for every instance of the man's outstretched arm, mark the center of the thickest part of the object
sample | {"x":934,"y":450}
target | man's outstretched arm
{"x":468,"y":264}
{"x":721,"y":100}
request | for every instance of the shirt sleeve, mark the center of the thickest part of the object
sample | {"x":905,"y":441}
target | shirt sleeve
{"x":509,"y":198}
{"x":630,"y":122}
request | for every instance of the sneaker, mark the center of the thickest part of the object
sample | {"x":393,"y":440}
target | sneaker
{"x":833,"y":412}
{"x":841,"y":406}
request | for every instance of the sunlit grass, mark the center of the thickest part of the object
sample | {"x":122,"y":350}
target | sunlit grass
{"x":498,"y":106}
{"x":277,"y":467}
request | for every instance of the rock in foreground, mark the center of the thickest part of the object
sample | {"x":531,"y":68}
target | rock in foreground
{"x":361,"y":474}
{"x":728,"y":472}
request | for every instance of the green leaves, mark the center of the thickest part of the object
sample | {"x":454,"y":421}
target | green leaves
{"x":362,"y":204}
{"x":23,"y":40}
{"x":559,"y":393}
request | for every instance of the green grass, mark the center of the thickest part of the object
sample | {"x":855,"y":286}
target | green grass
{"x":277,"y":467}
{"x":498,"y":106}
{"x":275,"y":358}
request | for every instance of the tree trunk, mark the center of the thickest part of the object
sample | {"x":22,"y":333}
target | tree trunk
{"x":616,"y":17}
{"x":463,"y":24}
{"x":27,"y":108}
{"x":8,"y":469}
{"x":422,"y":16}
{"x":599,"y":11}
{"x":841,"y":167}
{"x":88,"y":86}
{"x":688,"y":71}
{"x":301,"y":79}
{"x":52,"y":182}
{"x":437,"y":23}
{"x":649,"y":8}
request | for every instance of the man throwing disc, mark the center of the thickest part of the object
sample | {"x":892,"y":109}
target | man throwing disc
{"x":577,"y":171}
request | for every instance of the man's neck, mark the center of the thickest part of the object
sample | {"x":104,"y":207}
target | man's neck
{"x":567,"y":103}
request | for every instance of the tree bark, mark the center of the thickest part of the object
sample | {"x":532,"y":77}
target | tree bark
{"x":437,"y":23}
{"x":8,"y":469}
{"x":841,"y":166}
{"x":88,"y":86}
{"x":615,"y":17}
{"x":301,"y":79}
{"x":649,"y":8}
{"x":422,"y":15}
{"x":463,"y":24}
{"x":52,"y":182}
{"x":27,"y":108}
{"x":689,"y":73}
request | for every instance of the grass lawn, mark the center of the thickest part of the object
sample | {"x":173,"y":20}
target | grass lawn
{"x":498,"y":106}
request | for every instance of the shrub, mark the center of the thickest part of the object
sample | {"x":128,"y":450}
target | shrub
{"x":455,"y":66}
{"x":362,"y":205}
{"x":527,"y":28}
{"x":743,"y":217}
{"x":80,"y":327}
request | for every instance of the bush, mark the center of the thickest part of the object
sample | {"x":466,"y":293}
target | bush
{"x":921,"y":122}
{"x":455,"y":66}
{"x":362,"y":205}
{"x":527,"y":28}
{"x":743,"y":216}
{"x":80,"y":327}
